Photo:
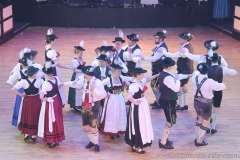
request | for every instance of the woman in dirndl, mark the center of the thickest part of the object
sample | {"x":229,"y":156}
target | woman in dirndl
{"x":50,"y":126}
{"x":74,"y":94}
{"x":31,"y":104}
{"x":16,"y":76}
{"x":139,"y":132}
{"x":221,"y":10}
{"x":114,"y":115}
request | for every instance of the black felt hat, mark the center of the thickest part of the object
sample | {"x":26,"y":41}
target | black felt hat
{"x":211,"y":44}
{"x":88,"y":70}
{"x":79,"y":48}
{"x":116,"y":66}
{"x":138,"y":70}
{"x":33,"y":53}
{"x":186,"y":36}
{"x":50,"y":35}
{"x":133,"y":37}
{"x":31,"y":70}
{"x":111,"y":48}
{"x":118,"y":39}
{"x":203,"y":68}
{"x":161,"y":34}
{"x":23,"y":61}
{"x":102,"y":57}
{"x":103,"y":48}
{"x":167,"y":62}
{"x":215,"y":57}
{"x":48,"y":69}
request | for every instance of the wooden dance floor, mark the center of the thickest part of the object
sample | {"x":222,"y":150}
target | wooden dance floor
{"x":225,"y":142}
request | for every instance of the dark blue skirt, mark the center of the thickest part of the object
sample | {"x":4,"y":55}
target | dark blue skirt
{"x":16,"y":108}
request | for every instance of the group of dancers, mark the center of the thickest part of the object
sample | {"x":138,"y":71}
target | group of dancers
{"x":96,"y":91}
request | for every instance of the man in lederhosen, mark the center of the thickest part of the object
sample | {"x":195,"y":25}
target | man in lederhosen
{"x":169,"y":85}
{"x":184,"y":66}
{"x":203,"y":89}
{"x":93,"y":93}
{"x":216,"y":73}
{"x":156,"y":66}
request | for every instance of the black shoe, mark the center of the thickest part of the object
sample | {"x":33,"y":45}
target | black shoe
{"x":165,"y":146}
{"x":57,"y":143}
{"x":208,"y":130}
{"x":168,"y":142}
{"x":26,"y":138}
{"x":178,"y":108}
{"x":186,"y":107}
{"x":153,"y":104}
{"x":134,"y":150}
{"x":200,"y":144}
{"x":156,"y":107}
{"x":112,"y":137}
{"x":34,"y":139}
{"x":213,"y":131}
{"x":90,"y":145}
{"x":140,"y":152}
{"x":118,"y":136}
{"x":96,"y":148}
{"x":79,"y":109}
{"x":52,"y":145}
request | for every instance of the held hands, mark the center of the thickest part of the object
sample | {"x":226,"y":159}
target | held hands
{"x":23,"y":95}
{"x":43,"y":99}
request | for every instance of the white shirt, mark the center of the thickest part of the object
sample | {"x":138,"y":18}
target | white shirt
{"x":202,"y":58}
{"x":52,"y":54}
{"x":129,"y":56}
{"x":134,"y":87}
{"x":227,"y":71}
{"x":156,"y":55}
{"x":76,"y":63}
{"x":208,"y":86}
{"x":96,"y":95}
{"x":103,"y":71}
{"x":46,"y":86}
{"x":173,"y":83}
{"x":120,"y":62}
{"x":23,"y":83}
{"x":15,"y":77}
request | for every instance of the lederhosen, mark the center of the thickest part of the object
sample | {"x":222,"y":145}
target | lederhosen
{"x":90,"y":116}
{"x":216,"y":73}
{"x":157,"y":67}
{"x":130,"y":64}
{"x":185,"y":65}
{"x":168,"y":99}
{"x":203,"y":106}
{"x":49,"y":59}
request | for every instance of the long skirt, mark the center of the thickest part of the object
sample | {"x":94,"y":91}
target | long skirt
{"x":16,"y":108}
{"x":114,"y":117}
{"x":139,"y":122}
{"x":74,"y":95}
{"x":30,"y":115}
{"x":221,"y":9}
{"x":57,"y":135}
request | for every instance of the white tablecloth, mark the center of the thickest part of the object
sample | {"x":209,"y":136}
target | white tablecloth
{"x":149,"y":1}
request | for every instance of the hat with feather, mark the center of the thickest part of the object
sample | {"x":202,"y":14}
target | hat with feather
{"x":23,"y":59}
{"x":88,"y":70}
{"x":186,"y":36}
{"x":50,"y":36}
{"x":120,"y":37}
{"x":211,"y":44}
{"x":161,"y":34}
{"x":104,"y":47}
{"x":133,"y":37}
{"x":48,"y":69}
{"x":80,"y":47}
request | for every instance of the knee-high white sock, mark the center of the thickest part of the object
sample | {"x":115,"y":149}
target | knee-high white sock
{"x":202,"y":132}
{"x":197,"y":128}
{"x":90,"y":136}
{"x":214,"y":120}
{"x":185,"y":97}
{"x":96,"y":137}
{"x":165,"y":134}
{"x":180,"y":99}
{"x":157,"y":95}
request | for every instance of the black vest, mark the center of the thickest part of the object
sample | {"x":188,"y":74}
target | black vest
{"x":138,"y":94}
{"x":131,"y":64}
{"x":80,"y":64}
{"x":166,"y":93}
{"x":156,"y":66}
{"x":216,"y":73}
{"x":185,"y":65}
{"x":31,"y":90}
{"x":23,"y":76}
{"x":54,"y":90}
